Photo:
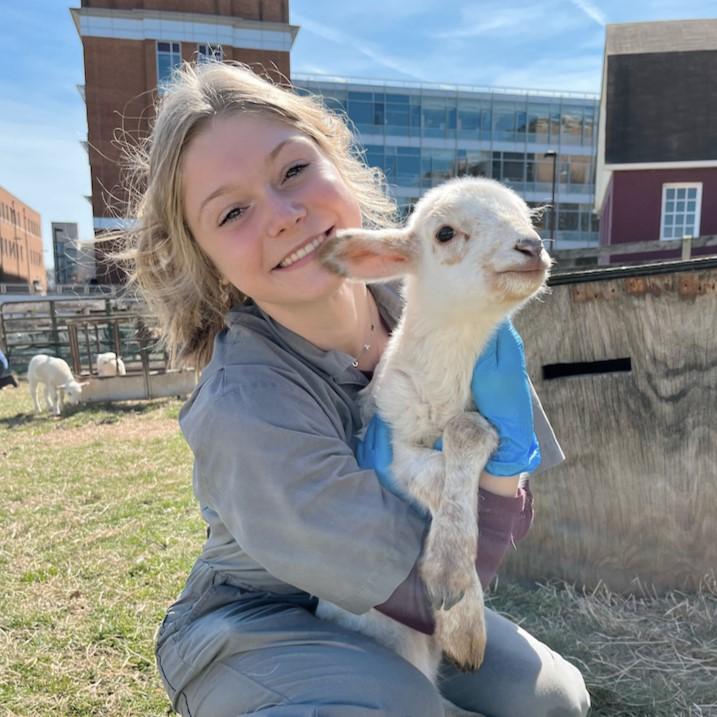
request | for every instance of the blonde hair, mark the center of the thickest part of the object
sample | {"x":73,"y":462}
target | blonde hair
{"x":176,"y":278}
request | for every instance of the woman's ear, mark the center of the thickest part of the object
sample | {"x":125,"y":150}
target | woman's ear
{"x":379,"y":255}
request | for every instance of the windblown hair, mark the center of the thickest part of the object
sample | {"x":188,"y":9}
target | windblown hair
{"x":176,"y":278}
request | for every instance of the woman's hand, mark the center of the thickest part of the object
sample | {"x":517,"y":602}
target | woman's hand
{"x":375,"y":450}
{"x":501,"y":393}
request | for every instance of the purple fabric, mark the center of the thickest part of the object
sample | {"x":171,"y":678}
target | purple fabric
{"x":502,"y":521}
{"x":409,"y":604}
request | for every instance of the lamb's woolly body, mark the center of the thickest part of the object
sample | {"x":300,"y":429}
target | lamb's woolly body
{"x":57,"y":380}
{"x":431,"y":372}
{"x":456,"y":293}
{"x":108,"y":364}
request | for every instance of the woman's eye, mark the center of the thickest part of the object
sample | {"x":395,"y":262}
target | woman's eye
{"x":295,"y":170}
{"x":231,"y":215}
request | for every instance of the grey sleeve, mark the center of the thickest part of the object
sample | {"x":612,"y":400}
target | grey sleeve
{"x":288,"y":488}
{"x":550,"y":450}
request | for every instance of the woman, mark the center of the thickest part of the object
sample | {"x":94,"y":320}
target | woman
{"x":243,"y":181}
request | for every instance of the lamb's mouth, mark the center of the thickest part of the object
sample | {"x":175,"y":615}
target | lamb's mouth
{"x":529,"y":268}
{"x":305,"y":250}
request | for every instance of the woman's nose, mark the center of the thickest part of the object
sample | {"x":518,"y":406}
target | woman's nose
{"x":284,"y":213}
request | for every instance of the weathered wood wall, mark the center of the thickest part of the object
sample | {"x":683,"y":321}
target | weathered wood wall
{"x":637,"y":495}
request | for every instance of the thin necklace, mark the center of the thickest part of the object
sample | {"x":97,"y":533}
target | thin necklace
{"x":366,"y":347}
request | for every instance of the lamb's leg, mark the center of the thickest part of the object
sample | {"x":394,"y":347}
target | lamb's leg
{"x":449,"y":555}
{"x":33,"y":392}
{"x":59,"y":396}
{"x":419,"y":474}
{"x":48,"y":400}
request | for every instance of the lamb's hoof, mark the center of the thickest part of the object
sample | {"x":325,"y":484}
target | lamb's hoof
{"x":466,"y":651}
{"x":461,"y":633}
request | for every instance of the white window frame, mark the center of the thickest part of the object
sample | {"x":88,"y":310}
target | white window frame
{"x":216,"y":53}
{"x":698,"y":208}
{"x":171,"y":43}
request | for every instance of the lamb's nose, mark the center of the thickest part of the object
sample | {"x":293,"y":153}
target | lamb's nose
{"x":529,"y":246}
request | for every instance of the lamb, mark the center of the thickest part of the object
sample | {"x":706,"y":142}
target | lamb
{"x":109,"y":364}
{"x":58,"y":382}
{"x":470,"y":258}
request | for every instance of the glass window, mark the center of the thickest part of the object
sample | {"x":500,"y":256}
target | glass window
{"x":577,"y":170}
{"x":437,"y":165}
{"x":206,"y":53}
{"x":538,"y":122}
{"x":361,"y":112}
{"x":568,"y":216}
{"x":513,"y":167}
{"x":681,"y":205}
{"x":473,"y":163}
{"x":589,"y":120}
{"x":572,"y":124}
{"x":504,"y":120}
{"x":408,"y":163}
{"x":168,"y":57}
{"x":375,"y":155}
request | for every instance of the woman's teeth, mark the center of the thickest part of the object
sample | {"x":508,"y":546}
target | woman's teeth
{"x":301,"y":253}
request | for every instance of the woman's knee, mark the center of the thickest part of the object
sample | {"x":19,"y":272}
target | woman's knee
{"x":560,"y":692}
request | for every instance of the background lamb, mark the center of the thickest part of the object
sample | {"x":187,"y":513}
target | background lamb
{"x":470,"y":257}
{"x":57,"y":380}
{"x":109,"y":364}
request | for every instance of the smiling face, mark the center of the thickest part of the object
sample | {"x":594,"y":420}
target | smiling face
{"x":259,"y":197}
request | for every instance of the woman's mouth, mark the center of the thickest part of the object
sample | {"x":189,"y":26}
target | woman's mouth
{"x":304,"y":251}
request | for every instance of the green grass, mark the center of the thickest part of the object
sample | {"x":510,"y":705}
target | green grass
{"x":99,"y":529}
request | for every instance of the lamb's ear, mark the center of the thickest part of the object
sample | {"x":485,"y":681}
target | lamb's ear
{"x":379,"y":255}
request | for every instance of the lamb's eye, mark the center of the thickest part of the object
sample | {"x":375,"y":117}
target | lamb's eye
{"x":445,"y":233}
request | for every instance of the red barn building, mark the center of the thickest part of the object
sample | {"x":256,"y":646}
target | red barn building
{"x":657,"y":144}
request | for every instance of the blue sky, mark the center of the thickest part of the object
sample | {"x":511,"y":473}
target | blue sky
{"x":553,"y":44}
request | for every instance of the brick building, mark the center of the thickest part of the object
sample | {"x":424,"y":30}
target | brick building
{"x":657,"y":146}
{"x":21,"y":258}
{"x":131,"y":46}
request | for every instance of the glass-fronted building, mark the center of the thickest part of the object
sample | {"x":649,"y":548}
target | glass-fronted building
{"x":422,"y":134}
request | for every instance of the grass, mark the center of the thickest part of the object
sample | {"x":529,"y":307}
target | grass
{"x":100,"y":528}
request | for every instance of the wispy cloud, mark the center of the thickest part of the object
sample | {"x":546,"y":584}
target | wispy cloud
{"x":507,"y":23}
{"x":591,"y":10}
{"x":365,"y":48}
{"x":495,"y":22}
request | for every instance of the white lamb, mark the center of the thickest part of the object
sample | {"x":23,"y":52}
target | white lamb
{"x":109,"y":364}
{"x":58,"y":382}
{"x":470,"y":257}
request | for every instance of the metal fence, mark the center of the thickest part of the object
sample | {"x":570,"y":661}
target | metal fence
{"x":77,"y":329}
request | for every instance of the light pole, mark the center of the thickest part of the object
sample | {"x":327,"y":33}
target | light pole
{"x":552,"y":153}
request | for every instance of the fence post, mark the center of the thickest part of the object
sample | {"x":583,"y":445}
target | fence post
{"x":686,"y":247}
{"x":4,"y":334}
{"x":55,"y":333}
